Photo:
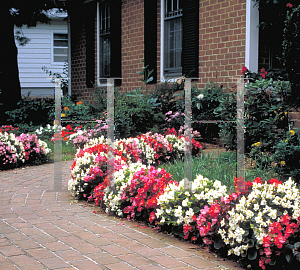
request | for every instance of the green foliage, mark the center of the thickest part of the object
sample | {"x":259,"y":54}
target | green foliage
{"x":204,"y":103}
{"x":32,"y":113}
{"x":266,"y":108}
{"x":169,"y":97}
{"x":291,"y":51}
{"x":287,"y":156}
{"x":135,"y":113}
{"x":75,"y":111}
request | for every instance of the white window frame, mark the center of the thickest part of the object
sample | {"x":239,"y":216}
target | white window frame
{"x":52,"y":46}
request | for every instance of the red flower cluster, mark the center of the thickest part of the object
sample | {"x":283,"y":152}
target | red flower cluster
{"x":144,"y":189}
{"x":7,"y":128}
{"x":244,"y":70}
{"x":263,"y":73}
{"x":65,"y":133}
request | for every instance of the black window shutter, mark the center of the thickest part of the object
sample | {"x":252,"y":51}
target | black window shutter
{"x":115,"y":39}
{"x":90,"y":11}
{"x":190,"y":44}
{"x":150,"y":36}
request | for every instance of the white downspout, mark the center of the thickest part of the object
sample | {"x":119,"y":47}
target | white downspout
{"x":252,"y":36}
{"x":69,"y":55}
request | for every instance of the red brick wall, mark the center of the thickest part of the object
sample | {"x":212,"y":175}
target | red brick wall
{"x":132,"y":43}
{"x":222,"y":27}
{"x":222,"y":33}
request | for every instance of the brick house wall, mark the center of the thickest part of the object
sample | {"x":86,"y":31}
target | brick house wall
{"x":222,"y":28}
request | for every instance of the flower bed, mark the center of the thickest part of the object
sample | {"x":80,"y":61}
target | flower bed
{"x":16,"y":151}
{"x":259,"y":227}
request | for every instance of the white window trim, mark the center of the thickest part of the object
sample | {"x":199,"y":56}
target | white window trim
{"x":252,"y":36}
{"x":52,"y":47}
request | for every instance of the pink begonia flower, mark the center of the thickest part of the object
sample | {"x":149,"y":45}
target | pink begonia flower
{"x":289,"y":5}
{"x":170,"y":112}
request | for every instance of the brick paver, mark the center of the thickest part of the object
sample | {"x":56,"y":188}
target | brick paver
{"x":45,"y":229}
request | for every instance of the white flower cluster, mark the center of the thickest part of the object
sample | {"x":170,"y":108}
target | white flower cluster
{"x":49,"y":130}
{"x":260,"y":210}
{"x":177,"y":211}
{"x":44,"y":147}
{"x":11,"y":149}
{"x":177,"y":143}
{"x":81,"y":170}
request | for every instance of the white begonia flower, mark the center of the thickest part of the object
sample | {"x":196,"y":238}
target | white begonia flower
{"x":200,"y":96}
{"x":178,"y":212}
{"x":184,"y":202}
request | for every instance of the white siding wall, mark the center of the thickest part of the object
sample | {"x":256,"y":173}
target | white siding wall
{"x":38,"y":52}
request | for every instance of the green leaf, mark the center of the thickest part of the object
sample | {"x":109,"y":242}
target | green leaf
{"x":196,"y":209}
{"x":272,"y":262}
{"x":150,"y":79}
{"x":218,"y":244}
{"x":298,"y":257}
{"x":252,"y":254}
{"x":289,"y":253}
{"x":297,"y":245}
{"x":251,"y":243}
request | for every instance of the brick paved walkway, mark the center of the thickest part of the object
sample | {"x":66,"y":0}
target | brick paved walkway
{"x":40,"y":229}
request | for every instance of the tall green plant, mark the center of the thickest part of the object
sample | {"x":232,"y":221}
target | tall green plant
{"x":266,"y":110}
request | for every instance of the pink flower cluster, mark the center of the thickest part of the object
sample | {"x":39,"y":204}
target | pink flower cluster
{"x":143,"y":190}
{"x":15,"y":151}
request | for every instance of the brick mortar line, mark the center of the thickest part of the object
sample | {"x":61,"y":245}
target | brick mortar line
{"x":145,"y":244}
{"x":80,"y":206}
{"x":7,"y":259}
{"x":30,"y":237}
{"x":219,"y":265}
{"x":155,"y":263}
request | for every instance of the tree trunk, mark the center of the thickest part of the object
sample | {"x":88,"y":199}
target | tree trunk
{"x":9,"y":71}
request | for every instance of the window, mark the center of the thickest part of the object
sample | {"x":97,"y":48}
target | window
{"x":105,"y":47}
{"x":180,"y":38}
{"x":109,"y":29}
{"x":173,"y":37}
{"x":60,"y":47}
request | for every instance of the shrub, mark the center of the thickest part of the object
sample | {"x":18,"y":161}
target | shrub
{"x":32,"y":113}
{"x":73,"y":110}
{"x":135,"y":113}
{"x":265,"y":114}
{"x":287,"y":156}
{"x":205,"y":101}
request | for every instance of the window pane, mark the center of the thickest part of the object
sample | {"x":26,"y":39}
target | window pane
{"x":61,"y":36}
{"x":105,"y":57}
{"x":173,"y":43}
{"x":61,"y":43}
{"x":63,"y":51}
{"x":58,"y":58}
